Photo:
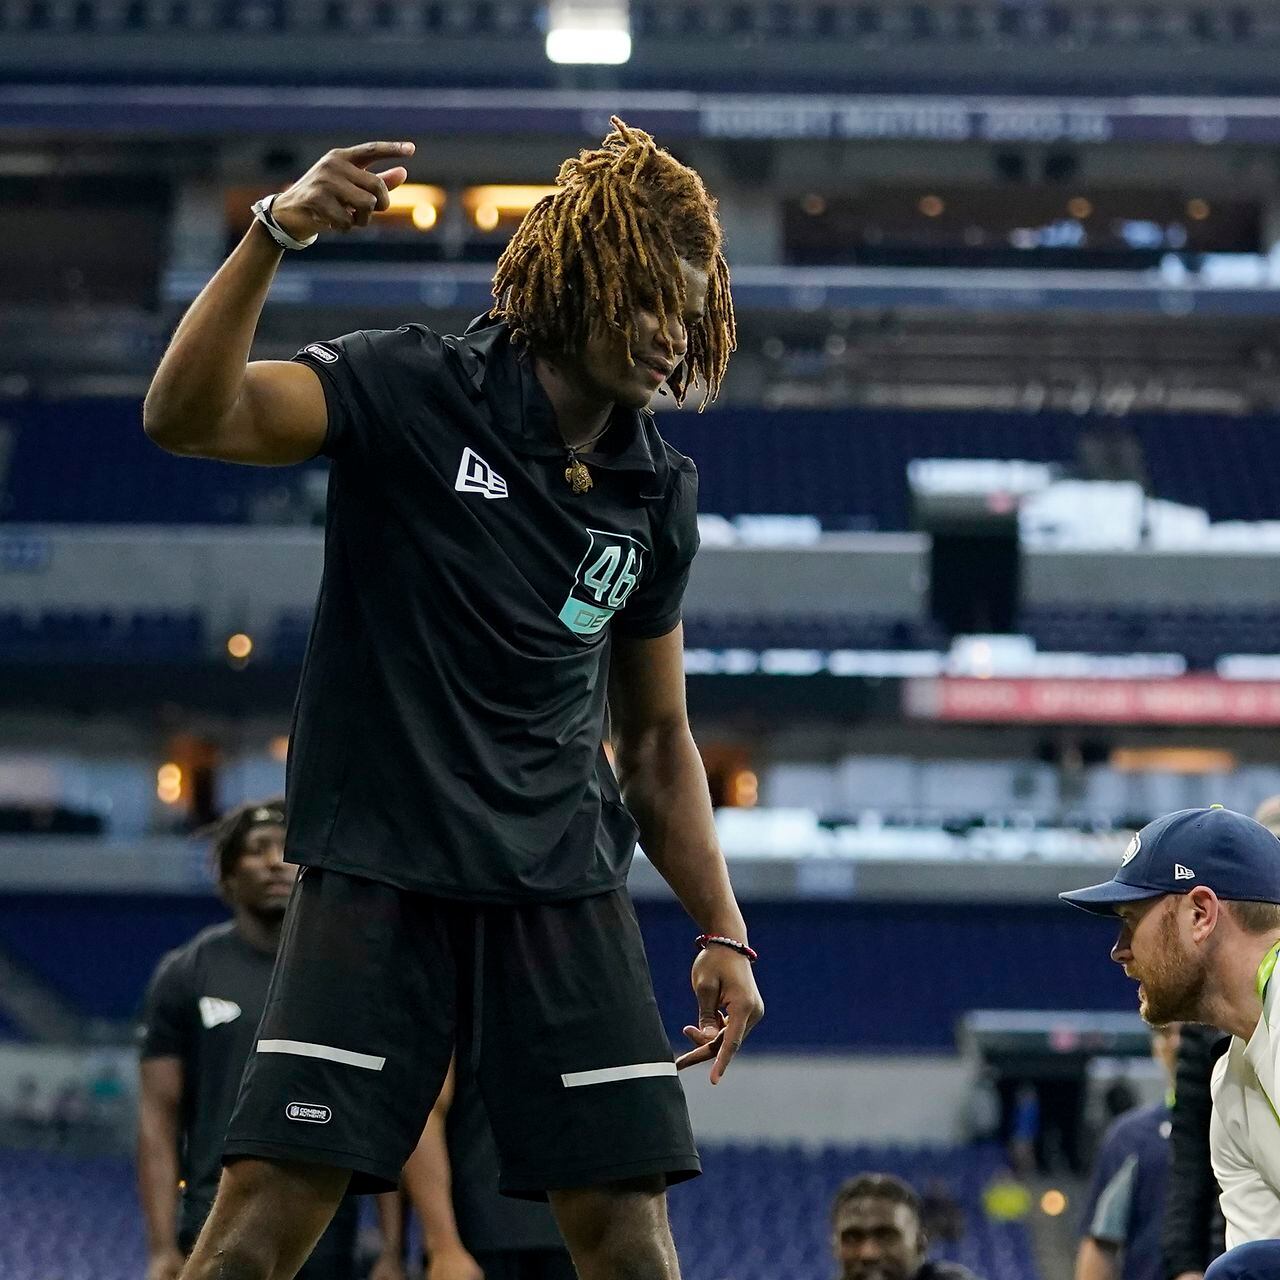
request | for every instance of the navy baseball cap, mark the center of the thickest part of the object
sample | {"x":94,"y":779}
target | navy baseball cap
{"x":1237,"y":858}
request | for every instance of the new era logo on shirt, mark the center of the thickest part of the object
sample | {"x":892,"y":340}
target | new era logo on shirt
{"x":475,"y":475}
{"x":214,"y":1012}
{"x":1182,"y":873}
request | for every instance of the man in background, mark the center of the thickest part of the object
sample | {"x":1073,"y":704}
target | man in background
{"x":199,"y":1024}
{"x":470,"y":1231}
{"x":1125,"y":1209}
{"x":1198,"y":897}
{"x":1193,"y":1226}
{"x":877,"y":1233}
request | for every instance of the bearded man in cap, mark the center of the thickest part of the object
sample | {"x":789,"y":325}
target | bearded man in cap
{"x":1197,"y":897}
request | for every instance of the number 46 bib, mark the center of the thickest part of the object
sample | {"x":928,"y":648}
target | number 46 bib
{"x":606,"y":576}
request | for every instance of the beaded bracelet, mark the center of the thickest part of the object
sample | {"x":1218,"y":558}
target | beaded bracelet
{"x":705,"y":939}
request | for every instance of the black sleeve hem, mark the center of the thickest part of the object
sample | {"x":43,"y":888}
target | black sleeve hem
{"x":334,"y":402}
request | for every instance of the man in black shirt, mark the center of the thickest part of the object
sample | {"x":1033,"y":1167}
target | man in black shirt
{"x":199,"y":1021}
{"x":877,"y":1233}
{"x":1193,"y":1231}
{"x":470,"y":1232}
{"x":507,"y":543}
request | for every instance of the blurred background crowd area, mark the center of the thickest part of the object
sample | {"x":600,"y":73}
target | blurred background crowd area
{"x":991,"y":507}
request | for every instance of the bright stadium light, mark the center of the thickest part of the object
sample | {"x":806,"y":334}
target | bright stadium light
{"x":589,"y":31}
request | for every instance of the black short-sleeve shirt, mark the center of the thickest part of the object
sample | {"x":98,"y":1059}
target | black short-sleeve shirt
{"x":448,"y":728}
{"x":203,"y":1006}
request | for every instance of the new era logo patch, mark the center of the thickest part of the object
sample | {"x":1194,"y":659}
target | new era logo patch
{"x":1182,"y":873}
{"x":475,"y":475}
{"x":326,"y":355}
{"x":214,"y":1012}
{"x":308,"y":1112}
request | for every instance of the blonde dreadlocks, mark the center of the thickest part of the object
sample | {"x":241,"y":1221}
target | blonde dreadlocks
{"x":606,"y":244}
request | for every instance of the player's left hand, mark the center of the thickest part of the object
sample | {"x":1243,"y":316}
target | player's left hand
{"x":722,"y":981}
{"x":387,"y":1267}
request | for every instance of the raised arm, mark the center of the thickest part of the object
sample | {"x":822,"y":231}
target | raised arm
{"x":665,"y":787}
{"x":159,"y":1130}
{"x":206,"y":400}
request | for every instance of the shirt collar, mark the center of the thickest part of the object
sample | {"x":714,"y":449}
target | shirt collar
{"x":503,"y":376}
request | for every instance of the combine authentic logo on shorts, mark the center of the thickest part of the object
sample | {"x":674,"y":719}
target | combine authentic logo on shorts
{"x":309,"y":1112}
{"x":326,"y":355}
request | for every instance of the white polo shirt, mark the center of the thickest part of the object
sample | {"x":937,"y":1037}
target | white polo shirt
{"x":1244,"y":1133}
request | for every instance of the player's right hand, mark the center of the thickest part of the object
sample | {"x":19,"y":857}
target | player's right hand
{"x":453,"y":1264}
{"x":339,"y":192}
{"x":166,"y":1265}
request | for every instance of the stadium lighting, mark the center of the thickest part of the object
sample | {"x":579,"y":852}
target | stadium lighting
{"x":169,"y":783}
{"x":589,"y":31}
{"x":489,"y":205}
{"x":420,"y":201}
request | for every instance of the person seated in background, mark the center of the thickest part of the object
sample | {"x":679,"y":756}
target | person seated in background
{"x":470,"y":1230}
{"x":1124,"y":1212}
{"x":878,"y":1233}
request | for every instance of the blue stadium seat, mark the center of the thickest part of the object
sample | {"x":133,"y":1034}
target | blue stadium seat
{"x":846,"y":467}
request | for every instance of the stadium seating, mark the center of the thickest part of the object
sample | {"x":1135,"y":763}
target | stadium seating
{"x":100,"y":636}
{"x":1202,"y":636}
{"x":968,"y":24}
{"x":88,"y":462}
{"x":704,"y":631}
{"x":847,"y":468}
{"x":758,"y":1213}
{"x":73,"y":943}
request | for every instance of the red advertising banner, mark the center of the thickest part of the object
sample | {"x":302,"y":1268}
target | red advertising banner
{"x":1184,"y":700}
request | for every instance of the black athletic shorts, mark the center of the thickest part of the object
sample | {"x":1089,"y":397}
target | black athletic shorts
{"x":553,"y":1003}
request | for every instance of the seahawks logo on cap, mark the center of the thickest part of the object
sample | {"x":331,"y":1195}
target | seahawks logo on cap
{"x":1131,"y":851}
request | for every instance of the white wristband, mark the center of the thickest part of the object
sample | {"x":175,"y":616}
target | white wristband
{"x":262,"y":212}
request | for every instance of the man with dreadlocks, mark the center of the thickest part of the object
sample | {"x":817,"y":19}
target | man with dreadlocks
{"x":507,"y":543}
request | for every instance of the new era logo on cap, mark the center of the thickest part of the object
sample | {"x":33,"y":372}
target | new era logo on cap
{"x":475,"y":475}
{"x":1182,"y":873}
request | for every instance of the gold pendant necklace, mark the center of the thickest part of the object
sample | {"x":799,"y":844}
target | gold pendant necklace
{"x":576,"y":474}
